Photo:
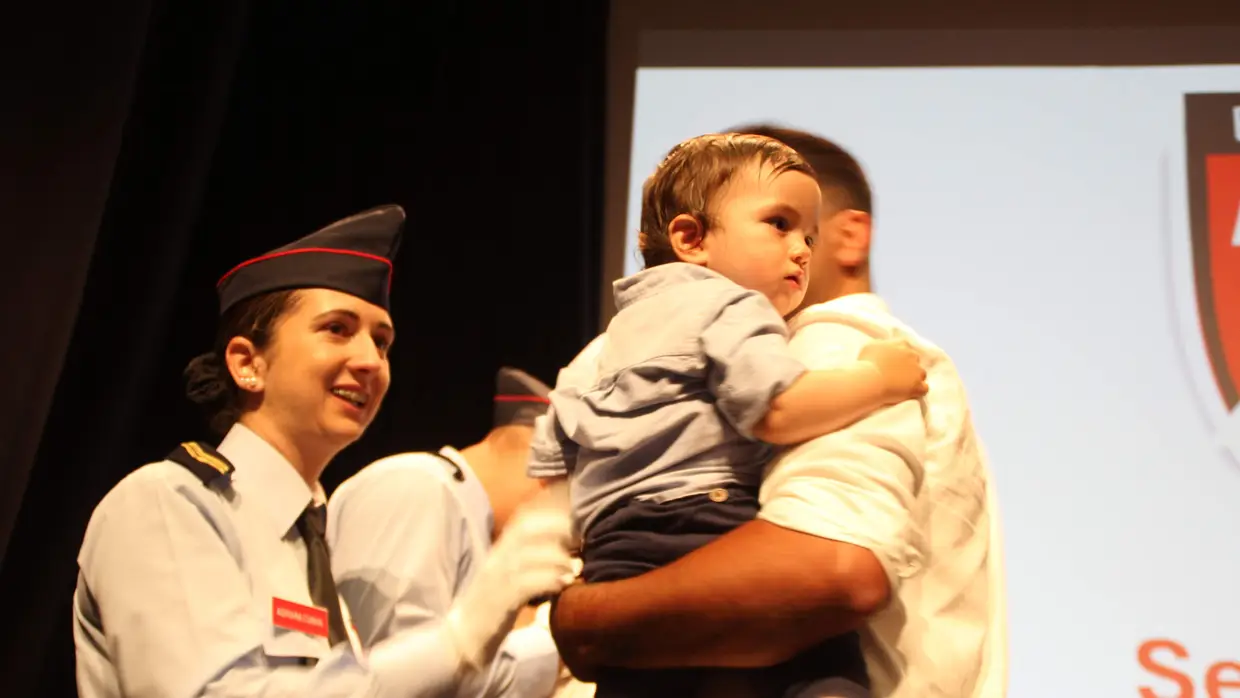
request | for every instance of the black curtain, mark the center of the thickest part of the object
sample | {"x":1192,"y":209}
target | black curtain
{"x":154,"y":144}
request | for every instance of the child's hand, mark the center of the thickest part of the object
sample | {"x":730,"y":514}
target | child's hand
{"x":900,"y":367}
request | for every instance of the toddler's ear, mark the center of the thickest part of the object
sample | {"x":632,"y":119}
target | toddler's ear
{"x":687,"y":235}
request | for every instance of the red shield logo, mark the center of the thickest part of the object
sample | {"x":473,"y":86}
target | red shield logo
{"x":1212,"y":122}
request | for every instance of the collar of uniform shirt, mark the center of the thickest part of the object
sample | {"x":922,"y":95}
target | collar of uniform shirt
{"x":472,"y":493}
{"x":266,"y":481}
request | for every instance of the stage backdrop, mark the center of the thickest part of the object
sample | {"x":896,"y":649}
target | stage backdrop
{"x":1068,"y":232}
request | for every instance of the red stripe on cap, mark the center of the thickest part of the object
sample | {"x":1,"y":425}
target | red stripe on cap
{"x":329,"y":250}
{"x":521,"y":398}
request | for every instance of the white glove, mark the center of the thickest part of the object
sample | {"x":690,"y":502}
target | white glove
{"x":530,"y":559}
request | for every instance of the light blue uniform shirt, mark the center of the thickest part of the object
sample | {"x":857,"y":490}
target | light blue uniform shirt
{"x":176,"y":587}
{"x":407,"y":537}
{"x":664,"y":407}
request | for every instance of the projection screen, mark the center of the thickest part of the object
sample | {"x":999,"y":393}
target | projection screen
{"x":1058,"y":209}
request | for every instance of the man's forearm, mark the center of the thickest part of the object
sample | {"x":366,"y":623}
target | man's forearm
{"x":757,"y":596}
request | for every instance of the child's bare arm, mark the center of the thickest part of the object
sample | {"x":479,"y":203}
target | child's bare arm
{"x":819,"y":402}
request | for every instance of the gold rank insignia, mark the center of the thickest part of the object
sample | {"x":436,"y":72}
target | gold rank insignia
{"x":208,"y":464}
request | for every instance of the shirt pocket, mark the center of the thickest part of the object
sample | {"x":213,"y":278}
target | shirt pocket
{"x":285,"y":647}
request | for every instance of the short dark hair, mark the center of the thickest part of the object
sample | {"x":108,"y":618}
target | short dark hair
{"x":691,"y":176}
{"x":840,"y":176}
{"x":208,"y":382}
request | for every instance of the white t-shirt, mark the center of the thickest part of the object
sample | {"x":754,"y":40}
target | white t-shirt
{"x":909,"y":483}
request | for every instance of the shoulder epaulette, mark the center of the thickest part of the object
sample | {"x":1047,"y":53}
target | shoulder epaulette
{"x":203,"y":461}
{"x":457,"y":473}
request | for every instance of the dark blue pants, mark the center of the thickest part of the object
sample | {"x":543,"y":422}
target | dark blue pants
{"x":637,"y":537}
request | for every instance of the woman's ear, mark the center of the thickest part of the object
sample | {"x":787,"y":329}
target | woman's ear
{"x":244,"y":364}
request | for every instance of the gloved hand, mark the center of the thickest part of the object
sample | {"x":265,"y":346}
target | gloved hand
{"x":530,"y":559}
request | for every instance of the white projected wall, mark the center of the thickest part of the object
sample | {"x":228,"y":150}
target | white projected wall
{"x":1034,"y":222}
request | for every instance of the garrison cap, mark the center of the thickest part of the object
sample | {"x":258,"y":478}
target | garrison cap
{"x":353,"y":255}
{"x":519,"y":398}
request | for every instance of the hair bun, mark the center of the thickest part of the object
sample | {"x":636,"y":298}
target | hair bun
{"x":205,"y":380}
{"x":209,"y":385}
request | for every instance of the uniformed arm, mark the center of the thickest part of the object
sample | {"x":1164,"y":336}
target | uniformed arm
{"x":528,"y":666}
{"x":407,"y":576}
{"x":398,"y":539}
{"x":178,"y":617}
{"x":833,"y":540}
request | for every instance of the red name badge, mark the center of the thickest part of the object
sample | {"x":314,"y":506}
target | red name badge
{"x":293,"y":616}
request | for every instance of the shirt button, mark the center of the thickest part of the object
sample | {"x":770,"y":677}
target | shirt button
{"x":718,"y":495}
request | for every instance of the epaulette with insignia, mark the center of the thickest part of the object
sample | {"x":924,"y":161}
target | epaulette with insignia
{"x":457,"y":473}
{"x":203,"y":461}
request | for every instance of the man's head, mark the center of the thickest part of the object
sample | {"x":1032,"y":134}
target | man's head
{"x":841,"y":262}
{"x":745,"y":206}
{"x":500,"y":459}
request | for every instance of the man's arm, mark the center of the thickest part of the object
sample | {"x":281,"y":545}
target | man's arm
{"x":706,"y":609}
{"x":833,"y":539}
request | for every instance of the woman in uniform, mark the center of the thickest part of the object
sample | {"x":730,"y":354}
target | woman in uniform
{"x":207,"y":574}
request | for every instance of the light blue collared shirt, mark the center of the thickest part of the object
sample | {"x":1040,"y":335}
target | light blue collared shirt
{"x":176,"y":586}
{"x":664,"y":406}
{"x":407,"y":537}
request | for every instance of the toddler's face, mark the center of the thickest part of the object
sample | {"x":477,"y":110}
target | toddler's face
{"x":765,"y":225}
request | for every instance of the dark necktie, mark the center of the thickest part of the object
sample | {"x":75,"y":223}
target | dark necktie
{"x":313,"y":528}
